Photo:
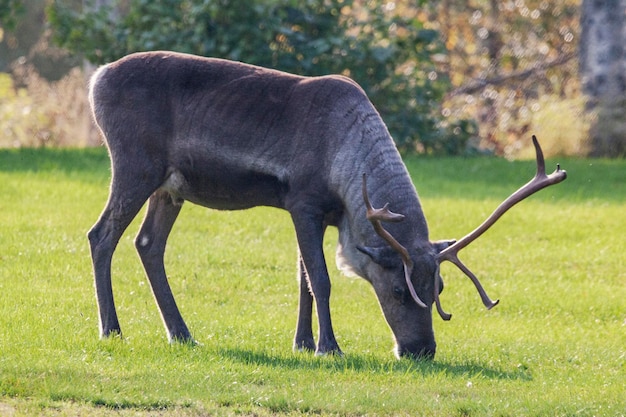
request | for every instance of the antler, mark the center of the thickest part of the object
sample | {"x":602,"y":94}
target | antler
{"x":375,"y":216}
{"x":445,"y":316}
{"x":540,"y":181}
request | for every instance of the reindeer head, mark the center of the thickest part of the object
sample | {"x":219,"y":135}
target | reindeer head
{"x":407,"y":280}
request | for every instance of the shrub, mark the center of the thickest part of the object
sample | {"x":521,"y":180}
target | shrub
{"x":389,"y":52}
{"x":44,"y":114}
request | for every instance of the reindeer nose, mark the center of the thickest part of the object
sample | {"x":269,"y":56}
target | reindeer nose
{"x":421,"y":349}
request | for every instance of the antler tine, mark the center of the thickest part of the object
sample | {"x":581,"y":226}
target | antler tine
{"x":540,"y":181}
{"x":375,"y":216}
{"x":488,"y":302}
{"x":445,"y":316}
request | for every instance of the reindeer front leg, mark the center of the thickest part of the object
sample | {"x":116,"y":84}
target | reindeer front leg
{"x":304,"y":329}
{"x":309,"y":225}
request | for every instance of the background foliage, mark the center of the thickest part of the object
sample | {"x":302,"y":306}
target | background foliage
{"x":514,"y":70}
{"x":448,"y":76}
{"x":9,"y":9}
{"x":391,"y":54}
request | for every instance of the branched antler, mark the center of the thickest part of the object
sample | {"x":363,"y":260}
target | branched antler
{"x":375,"y":216}
{"x":540,"y":181}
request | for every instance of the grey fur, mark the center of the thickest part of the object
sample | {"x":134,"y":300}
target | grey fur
{"x":227,"y":135}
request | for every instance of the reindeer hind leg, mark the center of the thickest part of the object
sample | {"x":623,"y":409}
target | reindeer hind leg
{"x":151,"y":240}
{"x":130,"y":188}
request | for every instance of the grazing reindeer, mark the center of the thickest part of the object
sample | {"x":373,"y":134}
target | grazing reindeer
{"x":227,"y":135}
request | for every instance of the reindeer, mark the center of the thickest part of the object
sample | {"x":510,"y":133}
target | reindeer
{"x":230,"y":136}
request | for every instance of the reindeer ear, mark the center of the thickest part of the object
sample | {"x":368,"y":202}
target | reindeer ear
{"x":440,"y":245}
{"x":383,"y":256}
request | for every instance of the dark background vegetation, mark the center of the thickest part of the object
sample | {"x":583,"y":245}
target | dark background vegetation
{"x":449,"y":77}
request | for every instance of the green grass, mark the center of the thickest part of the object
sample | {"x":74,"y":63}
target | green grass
{"x":556,"y":344}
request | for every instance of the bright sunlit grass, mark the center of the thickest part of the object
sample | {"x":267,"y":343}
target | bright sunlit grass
{"x":556,"y":344}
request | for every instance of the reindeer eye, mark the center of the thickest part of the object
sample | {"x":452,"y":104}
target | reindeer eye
{"x":398,"y":292}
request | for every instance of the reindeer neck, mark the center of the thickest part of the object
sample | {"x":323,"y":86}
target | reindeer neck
{"x":372,"y":152}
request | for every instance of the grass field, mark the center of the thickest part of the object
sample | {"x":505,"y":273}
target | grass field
{"x":555,"y":346}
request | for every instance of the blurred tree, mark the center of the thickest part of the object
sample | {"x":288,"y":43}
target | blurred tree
{"x":24,"y":42}
{"x":603,"y":73}
{"x":504,"y":58}
{"x":19,"y":31}
{"x":9,"y":14}
{"x":384,"y":48}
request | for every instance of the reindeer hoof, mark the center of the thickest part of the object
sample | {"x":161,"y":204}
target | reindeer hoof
{"x":185,"y":342}
{"x":111,"y":334}
{"x":305,"y":345}
{"x":183,"y":337}
{"x":334,"y":351}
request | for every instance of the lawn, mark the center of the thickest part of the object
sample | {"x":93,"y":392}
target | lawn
{"x":555,"y":346}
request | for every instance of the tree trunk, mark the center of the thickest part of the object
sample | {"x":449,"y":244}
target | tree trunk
{"x":603,"y":72}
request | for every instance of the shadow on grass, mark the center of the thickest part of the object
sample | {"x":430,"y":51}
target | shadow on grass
{"x":368,"y":364}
